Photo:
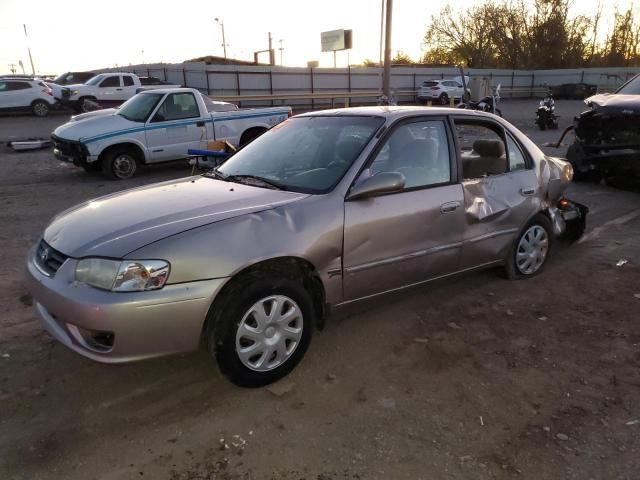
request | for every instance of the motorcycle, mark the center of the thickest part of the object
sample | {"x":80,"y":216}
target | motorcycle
{"x":545,"y":115}
{"x":486,"y":104}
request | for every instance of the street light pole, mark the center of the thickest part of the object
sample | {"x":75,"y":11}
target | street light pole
{"x":386,"y":79}
{"x":224,"y":42}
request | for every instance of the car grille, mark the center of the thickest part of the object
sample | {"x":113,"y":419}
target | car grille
{"x":48,"y":259}
{"x":66,"y":148}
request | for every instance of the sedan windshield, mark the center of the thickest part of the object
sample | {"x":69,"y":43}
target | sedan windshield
{"x":138,"y":107}
{"x":632,"y":87}
{"x":304,"y":154}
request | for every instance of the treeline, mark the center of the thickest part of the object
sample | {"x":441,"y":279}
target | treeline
{"x":530,"y":34}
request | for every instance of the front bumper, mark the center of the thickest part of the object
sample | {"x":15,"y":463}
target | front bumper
{"x":69,"y":150}
{"x":112,"y":327}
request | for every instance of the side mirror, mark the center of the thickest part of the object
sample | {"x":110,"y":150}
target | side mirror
{"x":384,"y":182}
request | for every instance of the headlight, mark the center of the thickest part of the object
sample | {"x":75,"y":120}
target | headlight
{"x":567,"y":172}
{"x":125,"y":276}
{"x":74,"y":92}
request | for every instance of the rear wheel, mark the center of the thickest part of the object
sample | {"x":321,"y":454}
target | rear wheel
{"x":40,"y":108}
{"x":120,"y":164}
{"x":531,"y":249}
{"x":444,"y":99}
{"x":261,"y":329}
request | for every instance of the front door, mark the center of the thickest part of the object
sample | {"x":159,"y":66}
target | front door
{"x":500,"y":190}
{"x":175,"y":127}
{"x":403,"y":238}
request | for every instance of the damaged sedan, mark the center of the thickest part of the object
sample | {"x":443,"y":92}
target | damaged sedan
{"x":325,"y":209}
{"x":607,"y":136}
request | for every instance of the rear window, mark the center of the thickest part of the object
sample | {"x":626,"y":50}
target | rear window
{"x":429,"y":83}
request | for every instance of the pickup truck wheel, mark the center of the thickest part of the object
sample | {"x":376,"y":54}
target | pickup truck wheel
{"x":119,"y":164}
{"x":40,"y":108}
{"x":83,"y":105}
{"x":531,"y":249}
{"x":261,"y":329}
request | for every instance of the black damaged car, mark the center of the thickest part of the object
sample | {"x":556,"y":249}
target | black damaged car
{"x":607,"y":136}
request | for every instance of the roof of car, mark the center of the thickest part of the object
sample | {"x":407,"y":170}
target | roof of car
{"x":168,"y":90}
{"x":393,"y":112}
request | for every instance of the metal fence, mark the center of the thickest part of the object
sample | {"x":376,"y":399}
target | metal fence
{"x":273,"y":84}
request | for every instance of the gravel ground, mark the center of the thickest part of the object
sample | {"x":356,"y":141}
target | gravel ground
{"x":472,"y":378}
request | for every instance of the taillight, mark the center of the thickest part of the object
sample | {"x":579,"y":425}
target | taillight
{"x":290,"y":114}
{"x":435,"y":88}
{"x":48,"y":91}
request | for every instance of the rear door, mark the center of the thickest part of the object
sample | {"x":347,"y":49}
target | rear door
{"x":110,"y":89}
{"x":175,"y":127}
{"x":500,"y":190}
{"x":407,"y":237}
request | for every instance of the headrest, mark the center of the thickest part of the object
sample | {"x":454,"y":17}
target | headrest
{"x":489,"y":148}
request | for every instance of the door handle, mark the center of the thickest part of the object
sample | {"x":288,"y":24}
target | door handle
{"x":449,"y":207}
{"x":527,"y":192}
{"x":119,"y":89}
{"x":199,"y":124}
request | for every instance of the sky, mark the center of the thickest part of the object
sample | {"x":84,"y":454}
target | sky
{"x":84,"y":34}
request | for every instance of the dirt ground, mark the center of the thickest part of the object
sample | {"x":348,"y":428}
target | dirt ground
{"x":471,"y":378}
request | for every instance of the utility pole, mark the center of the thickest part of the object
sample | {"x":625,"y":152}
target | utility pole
{"x":12,"y":67}
{"x":272,"y":59}
{"x":33,"y":70}
{"x":386,"y":78}
{"x":224,"y":42}
{"x":381,"y":30}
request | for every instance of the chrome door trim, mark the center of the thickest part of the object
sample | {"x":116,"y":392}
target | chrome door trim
{"x":373,"y":295}
{"x":487,"y":236}
{"x":401,"y":258}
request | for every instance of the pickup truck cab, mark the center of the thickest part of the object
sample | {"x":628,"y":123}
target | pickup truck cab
{"x":157,"y":126}
{"x":106,"y":89}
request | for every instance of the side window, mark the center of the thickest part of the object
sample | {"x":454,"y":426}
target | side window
{"x":516,"y":157}
{"x":177,"y":106}
{"x":18,"y":85}
{"x":128,"y":81}
{"x":110,"y":82}
{"x":482,"y":150}
{"x":419,"y":151}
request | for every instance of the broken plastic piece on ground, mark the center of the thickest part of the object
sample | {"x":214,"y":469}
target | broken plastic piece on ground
{"x":29,"y":144}
{"x":621,"y":262}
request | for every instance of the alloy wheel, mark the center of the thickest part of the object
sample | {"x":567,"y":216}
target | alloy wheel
{"x":124,"y":166}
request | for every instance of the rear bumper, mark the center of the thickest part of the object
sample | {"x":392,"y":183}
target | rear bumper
{"x":137,"y":325}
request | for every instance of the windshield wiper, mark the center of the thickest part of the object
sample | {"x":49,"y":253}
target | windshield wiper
{"x":215,"y":174}
{"x":251,"y":178}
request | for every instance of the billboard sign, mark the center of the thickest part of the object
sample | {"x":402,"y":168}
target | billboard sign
{"x":335,"y":40}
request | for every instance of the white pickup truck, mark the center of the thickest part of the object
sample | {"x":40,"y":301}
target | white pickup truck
{"x":157,"y":126}
{"x":107,"y":89}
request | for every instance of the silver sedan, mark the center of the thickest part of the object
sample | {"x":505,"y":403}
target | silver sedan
{"x":324,"y":209}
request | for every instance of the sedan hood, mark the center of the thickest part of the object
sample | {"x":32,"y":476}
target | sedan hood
{"x":117,"y":224}
{"x":79,"y":130}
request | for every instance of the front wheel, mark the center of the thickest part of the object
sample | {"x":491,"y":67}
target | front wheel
{"x":119,"y":164}
{"x":531,"y":249}
{"x":261,"y":330}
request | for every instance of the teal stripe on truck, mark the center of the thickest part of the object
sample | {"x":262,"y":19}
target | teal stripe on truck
{"x":144,"y":128}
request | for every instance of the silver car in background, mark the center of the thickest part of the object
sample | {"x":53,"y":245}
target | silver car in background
{"x":322,"y":210}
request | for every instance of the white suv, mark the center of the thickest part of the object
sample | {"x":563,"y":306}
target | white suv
{"x":26,"y":94}
{"x":440,"y":91}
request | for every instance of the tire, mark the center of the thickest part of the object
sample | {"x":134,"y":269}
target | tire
{"x":250,"y":135}
{"x":541,"y":125}
{"x":444,"y":99}
{"x":519,"y":265}
{"x":233,"y":326}
{"x":119,"y":164}
{"x":40,"y":108}
{"x":82,"y":107}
